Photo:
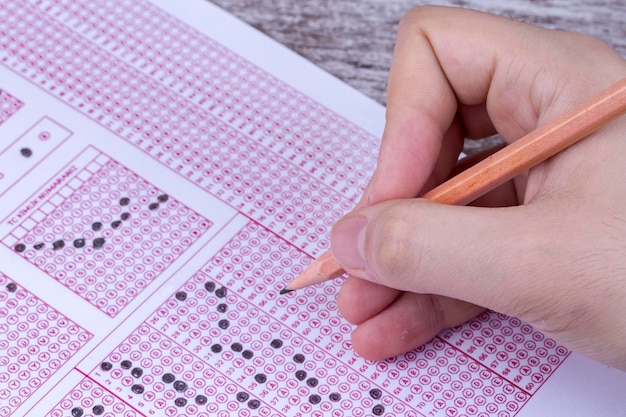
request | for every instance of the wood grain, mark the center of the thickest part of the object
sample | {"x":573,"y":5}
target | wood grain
{"x":353,"y":40}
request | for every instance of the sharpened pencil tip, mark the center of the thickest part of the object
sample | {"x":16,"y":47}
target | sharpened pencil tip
{"x":285,"y":291}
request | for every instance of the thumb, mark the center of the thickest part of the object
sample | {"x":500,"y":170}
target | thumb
{"x":493,"y":257}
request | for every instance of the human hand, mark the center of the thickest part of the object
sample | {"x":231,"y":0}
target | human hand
{"x":549,"y":247}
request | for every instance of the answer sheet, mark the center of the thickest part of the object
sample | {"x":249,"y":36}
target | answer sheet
{"x":164,"y":171}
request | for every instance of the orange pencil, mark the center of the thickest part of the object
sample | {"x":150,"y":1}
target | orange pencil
{"x":512,"y":160}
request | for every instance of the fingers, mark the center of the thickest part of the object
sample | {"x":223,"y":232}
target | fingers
{"x":488,"y":74}
{"x":556,"y":263}
{"x":475,"y":121}
{"x":414,"y":129}
{"x":457,"y":74}
{"x":468,"y":253}
{"x":424,"y":92}
{"x":406,"y":320}
{"x":409,"y":322}
{"x":508,"y":194}
{"x":360,"y":300}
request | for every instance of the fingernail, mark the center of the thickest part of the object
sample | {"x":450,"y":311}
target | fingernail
{"x":347,"y":241}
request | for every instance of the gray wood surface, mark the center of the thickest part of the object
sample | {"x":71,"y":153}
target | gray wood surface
{"x":353,"y":39}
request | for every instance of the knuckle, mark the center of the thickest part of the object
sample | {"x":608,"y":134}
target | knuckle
{"x":584,"y":41}
{"x":418,"y":14}
{"x":428,"y":310}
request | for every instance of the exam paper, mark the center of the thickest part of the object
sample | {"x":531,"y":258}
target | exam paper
{"x":164,"y":171}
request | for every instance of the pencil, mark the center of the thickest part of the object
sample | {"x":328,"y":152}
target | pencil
{"x":510,"y":161}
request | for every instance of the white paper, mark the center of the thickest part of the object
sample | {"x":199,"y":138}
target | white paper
{"x":164,"y":171}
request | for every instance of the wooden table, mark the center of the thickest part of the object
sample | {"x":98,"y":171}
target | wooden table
{"x":353,"y":39}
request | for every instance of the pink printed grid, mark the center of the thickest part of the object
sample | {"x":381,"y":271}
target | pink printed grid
{"x":218,"y":309}
{"x":35,"y":341}
{"x":108,"y":234}
{"x":207,"y":327}
{"x":510,"y":348}
{"x":88,"y":399}
{"x":194,"y":388}
{"x":8,"y":105}
{"x":233,"y":89}
{"x":271,"y":180}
